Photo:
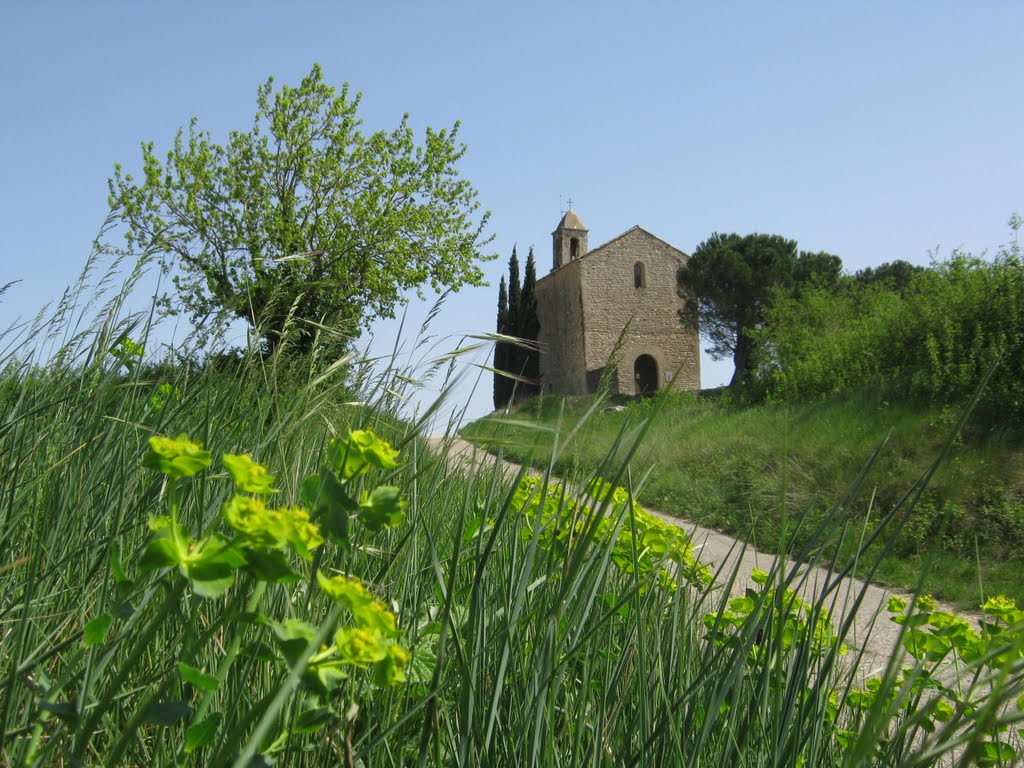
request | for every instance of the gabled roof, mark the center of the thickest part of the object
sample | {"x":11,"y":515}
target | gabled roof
{"x":636,"y":228}
{"x":588,"y":254}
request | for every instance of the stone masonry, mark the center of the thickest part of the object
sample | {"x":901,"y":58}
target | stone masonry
{"x":624,"y":289}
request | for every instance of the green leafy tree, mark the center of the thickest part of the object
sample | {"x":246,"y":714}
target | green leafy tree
{"x":303,"y":218}
{"x":896,"y":275}
{"x":730,"y":280}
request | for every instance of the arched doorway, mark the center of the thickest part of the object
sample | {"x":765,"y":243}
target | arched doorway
{"x":645,"y":374}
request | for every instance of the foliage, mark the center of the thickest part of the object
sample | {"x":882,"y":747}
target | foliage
{"x":933,"y":340}
{"x":730,"y":281}
{"x":517,"y":357}
{"x":955,"y":671}
{"x":500,"y":347}
{"x":952,"y":682}
{"x":737,"y":467}
{"x":212,"y":639}
{"x":211,"y":564}
{"x":895,"y":275}
{"x":529,"y":327}
{"x":304,"y":218}
{"x":641,"y":544}
{"x":826,"y":342}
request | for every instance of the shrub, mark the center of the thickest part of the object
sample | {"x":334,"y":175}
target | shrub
{"x":934,"y":340}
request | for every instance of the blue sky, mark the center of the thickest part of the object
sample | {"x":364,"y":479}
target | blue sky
{"x":873,"y":130}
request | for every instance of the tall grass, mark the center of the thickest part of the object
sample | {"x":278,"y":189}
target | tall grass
{"x":530,"y":644}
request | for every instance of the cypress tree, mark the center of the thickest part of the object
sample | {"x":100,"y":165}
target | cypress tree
{"x":514,"y":355}
{"x":515,"y":293}
{"x":529,"y":325}
{"x":500,"y":382}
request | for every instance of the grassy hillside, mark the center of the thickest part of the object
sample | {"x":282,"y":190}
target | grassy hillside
{"x":747,"y":470}
{"x":332,"y":599}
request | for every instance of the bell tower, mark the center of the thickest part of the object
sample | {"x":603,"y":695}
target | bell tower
{"x":569,"y":240}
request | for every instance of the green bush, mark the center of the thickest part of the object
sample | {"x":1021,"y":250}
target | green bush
{"x":935,"y":340}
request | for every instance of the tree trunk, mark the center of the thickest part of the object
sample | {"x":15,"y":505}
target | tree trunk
{"x":742,"y":359}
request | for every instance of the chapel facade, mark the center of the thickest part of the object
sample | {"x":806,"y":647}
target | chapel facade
{"x":616,"y":306}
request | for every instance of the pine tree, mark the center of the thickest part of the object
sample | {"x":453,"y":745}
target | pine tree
{"x":500,"y":382}
{"x":529,"y":325}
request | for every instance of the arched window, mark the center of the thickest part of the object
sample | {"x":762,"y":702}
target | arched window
{"x":574,"y":249}
{"x":639,"y":275}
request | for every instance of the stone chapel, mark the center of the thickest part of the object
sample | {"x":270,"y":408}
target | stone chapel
{"x":589,"y":297}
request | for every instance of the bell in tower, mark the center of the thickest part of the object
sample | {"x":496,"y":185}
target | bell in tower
{"x":569,"y":240}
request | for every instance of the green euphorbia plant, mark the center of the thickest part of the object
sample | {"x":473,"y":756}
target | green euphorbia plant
{"x":261,"y":543}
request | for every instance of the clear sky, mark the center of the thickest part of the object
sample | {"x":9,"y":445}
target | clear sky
{"x":872,"y":130}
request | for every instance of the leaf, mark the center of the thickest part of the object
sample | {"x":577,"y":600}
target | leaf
{"x":261,"y":652}
{"x":331,"y":508}
{"x":382,"y":508}
{"x":160,"y":553}
{"x":211,"y":567}
{"x":309,"y":491}
{"x":213,"y":587}
{"x":312,"y":720}
{"x":166,"y":712}
{"x":115,"y":564}
{"x":294,"y":636}
{"x":270,"y":565}
{"x":197,"y":677}
{"x":123,"y":610}
{"x":214,"y":559}
{"x":996,"y":754}
{"x":200,"y":734}
{"x":741,"y":605}
{"x":391,"y":669}
{"x":326,"y":677}
{"x":96,"y":630}
{"x":373,"y":449}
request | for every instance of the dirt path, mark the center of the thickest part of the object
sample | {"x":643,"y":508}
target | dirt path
{"x":872,"y":630}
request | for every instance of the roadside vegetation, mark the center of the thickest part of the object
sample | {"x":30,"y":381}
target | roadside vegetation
{"x":214,"y":559}
{"x":748,"y":469}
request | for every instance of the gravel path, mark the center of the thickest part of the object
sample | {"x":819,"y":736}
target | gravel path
{"x":872,"y":631}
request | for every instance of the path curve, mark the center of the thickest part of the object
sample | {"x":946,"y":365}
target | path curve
{"x":872,"y":632}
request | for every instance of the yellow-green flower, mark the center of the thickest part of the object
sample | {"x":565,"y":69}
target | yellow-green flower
{"x":999,"y":605}
{"x":367,"y":611}
{"x":360,"y":646}
{"x":272,"y":528}
{"x":391,"y":669}
{"x":175,"y":456}
{"x":247,"y":474}
{"x":896,"y":604}
{"x":261,"y":526}
{"x":361,"y":450}
{"x":925,"y":603}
